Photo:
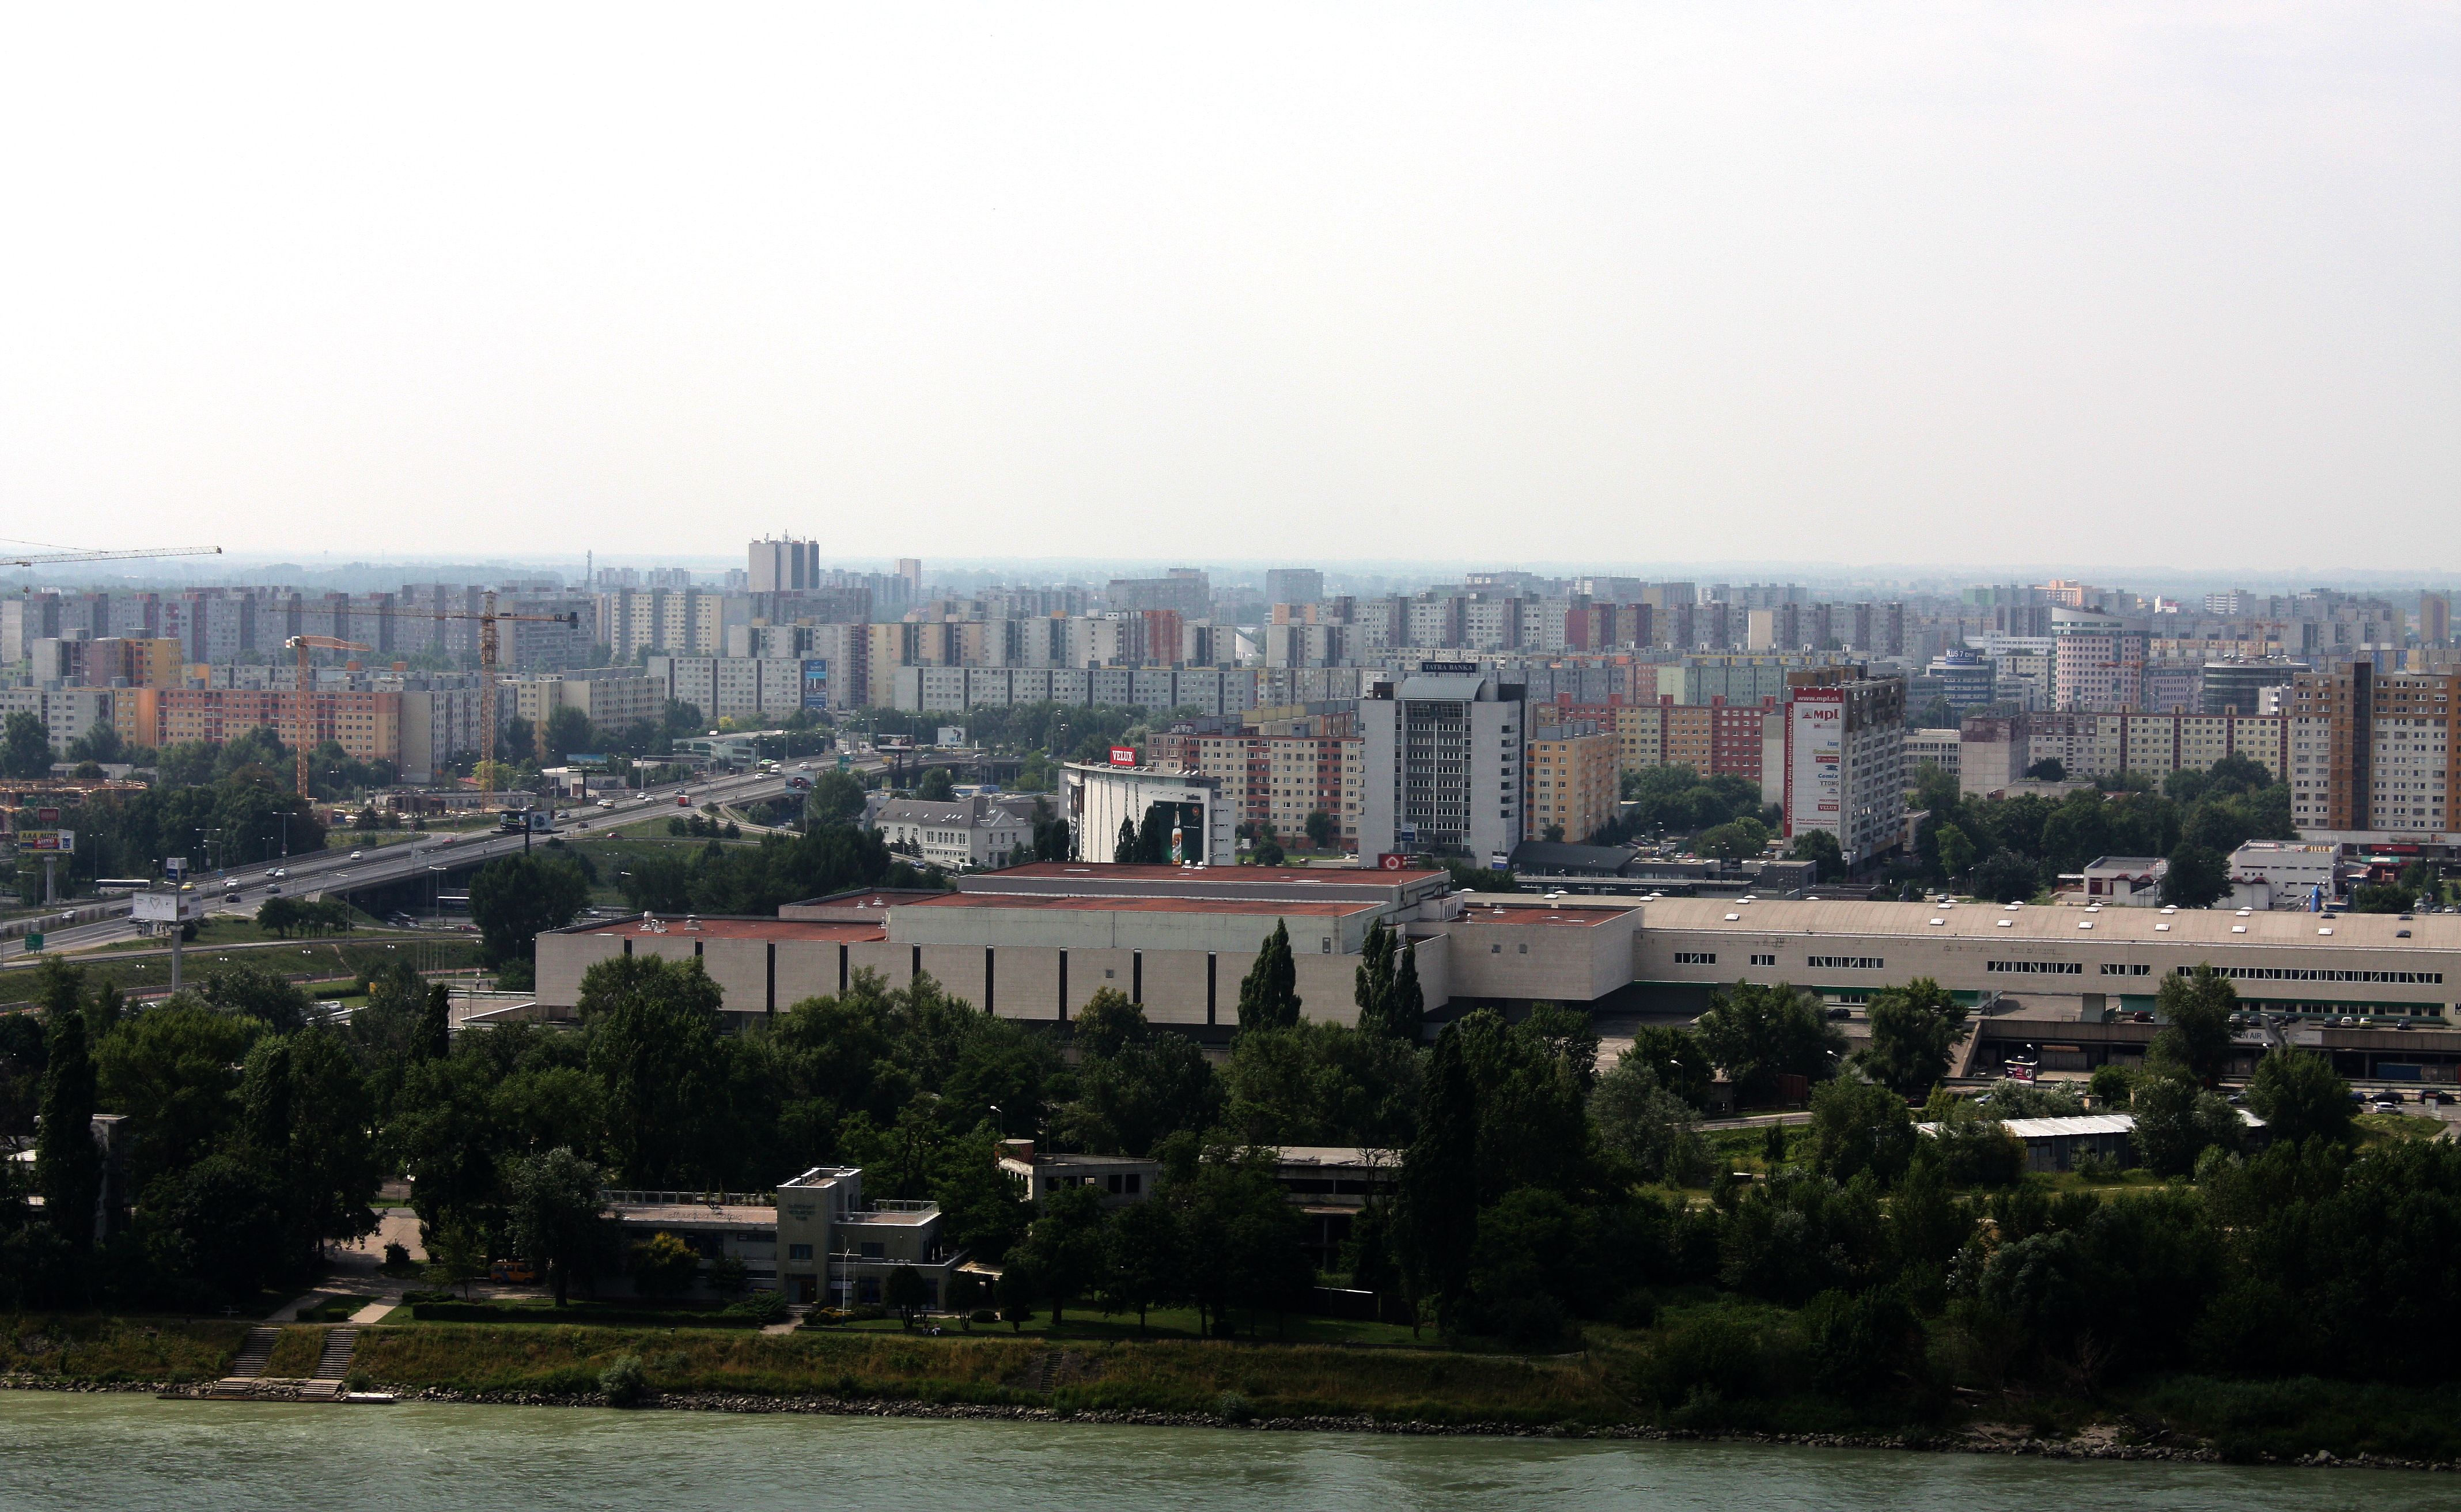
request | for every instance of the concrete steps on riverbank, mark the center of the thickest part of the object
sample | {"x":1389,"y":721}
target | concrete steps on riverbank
{"x":334,"y":1363}
{"x":255,"y":1352}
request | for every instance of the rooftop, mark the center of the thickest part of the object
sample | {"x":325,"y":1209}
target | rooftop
{"x":1262,"y":907}
{"x":1583,"y":914}
{"x":2304,"y":931}
{"x":1273,"y":876}
{"x":690,"y":927}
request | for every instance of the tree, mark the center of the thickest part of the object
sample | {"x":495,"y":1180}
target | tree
{"x":1146,"y":1259}
{"x":1754,"y":1033}
{"x":514,"y":898}
{"x":1269,"y":994}
{"x":1064,"y":1247}
{"x":567,"y":731}
{"x":2299,"y":1098}
{"x":435,"y":1038}
{"x":1820,"y":847}
{"x":937,"y":786}
{"x":215,"y":1227}
{"x":552,"y":1215}
{"x":1017,"y":1293}
{"x":1648,"y":1125}
{"x":2197,"y":876}
{"x":1108,"y":1023}
{"x":907,"y":1294}
{"x":2006,"y":876}
{"x":1405,"y":1006}
{"x":1734,"y":839}
{"x":2177,"y":1123}
{"x":68,"y":1169}
{"x":25,"y":747}
{"x":1676,"y":1056}
{"x":1320,"y":829}
{"x":1373,"y":983}
{"x":664,"y":1266}
{"x":1914,"y":1029}
{"x":1955,"y":851}
{"x":1857,"y":1126}
{"x":2050,"y":769}
{"x":1269,"y":853}
{"x":2195,"y":1013}
{"x":1437,"y":1197}
{"x":1124,"y":851}
{"x":653,"y":1030}
{"x":836,"y":797}
{"x":456,"y":1253}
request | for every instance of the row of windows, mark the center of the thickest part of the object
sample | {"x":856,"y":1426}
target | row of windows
{"x":2036,"y":967}
{"x":2120,"y":969}
{"x":1846,"y":963}
{"x":2300,"y":973}
{"x":1695,"y":958}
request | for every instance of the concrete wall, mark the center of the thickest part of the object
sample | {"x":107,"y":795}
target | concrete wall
{"x":1174,"y":992}
{"x":1568,"y":964}
{"x":893,"y":964}
{"x":1123,"y":929}
{"x":958,"y":970}
{"x":563,"y":958}
{"x":1086,"y":974}
{"x":806,"y":968}
{"x":1028,"y":982}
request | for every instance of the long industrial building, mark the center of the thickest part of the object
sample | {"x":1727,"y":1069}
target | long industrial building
{"x":1035,"y":942}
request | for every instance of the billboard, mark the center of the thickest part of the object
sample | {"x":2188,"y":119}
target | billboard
{"x":1123,"y":755}
{"x":56,"y":841}
{"x":166,"y":908}
{"x":816,"y":683}
{"x":1815,"y":752}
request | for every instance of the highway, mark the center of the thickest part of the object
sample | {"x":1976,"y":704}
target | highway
{"x":315,"y":874}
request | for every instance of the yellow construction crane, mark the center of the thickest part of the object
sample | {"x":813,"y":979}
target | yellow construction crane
{"x":303,"y":701}
{"x":488,"y":617}
{"x":46,"y":559}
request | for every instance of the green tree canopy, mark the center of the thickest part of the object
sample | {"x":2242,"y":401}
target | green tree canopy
{"x":1268,"y":996}
{"x":513,"y":900}
{"x":1914,"y":1029}
{"x":1755,"y":1032}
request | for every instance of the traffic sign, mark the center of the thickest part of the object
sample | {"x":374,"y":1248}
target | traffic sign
{"x":35,"y":940}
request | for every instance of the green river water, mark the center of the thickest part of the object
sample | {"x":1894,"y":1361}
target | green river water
{"x":64,"y":1451}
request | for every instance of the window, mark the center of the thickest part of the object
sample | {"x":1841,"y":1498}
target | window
{"x":1695,"y":958}
{"x":1764,"y":960}
{"x":2036,"y":967}
{"x":799,"y":1251}
{"x":1136,"y":1183}
{"x":2115,"y":968}
{"x":1845,"y":962}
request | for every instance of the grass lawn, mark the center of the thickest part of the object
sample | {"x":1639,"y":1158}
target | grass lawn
{"x":1154,"y":1374}
{"x":319,"y":965}
{"x":118,"y":1348}
{"x":1169,"y":1323}
{"x":2386,"y":1128}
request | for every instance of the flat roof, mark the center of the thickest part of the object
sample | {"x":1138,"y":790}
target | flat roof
{"x":1277,"y":876}
{"x":695,"y":1215}
{"x":687,"y":928}
{"x":1263,"y":907}
{"x":2187,"y":926}
{"x":1588,"y":917}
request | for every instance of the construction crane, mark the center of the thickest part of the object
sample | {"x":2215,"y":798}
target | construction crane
{"x":48,"y":558}
{"x":488,"y":617}
{"x":303,"y":700}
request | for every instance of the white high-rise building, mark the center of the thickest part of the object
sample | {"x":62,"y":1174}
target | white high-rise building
{"x":1845,"y":764}
{"x":1441,"y":764}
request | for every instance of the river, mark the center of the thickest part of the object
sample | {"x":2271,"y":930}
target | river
{"x":127,"y":1451}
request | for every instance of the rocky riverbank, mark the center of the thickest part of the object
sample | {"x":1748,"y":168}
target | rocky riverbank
{"x":2100,"y":1441}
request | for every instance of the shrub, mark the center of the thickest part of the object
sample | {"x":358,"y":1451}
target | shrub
{"x":983,"y":1315}
{"x":624,"y":1383}
{"x":767,"y":1306}
{"x":1233,"y":1407}
{"x":1639,"y":1310}
{"x":1529,"y":1322}
{"x":1706,"y":1352}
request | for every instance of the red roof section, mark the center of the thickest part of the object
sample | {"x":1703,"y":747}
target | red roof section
{"x":678,"y":927}
{"x":1132,"y":872}
{"x":1263,"y":907}
{"x":1523,"y":913}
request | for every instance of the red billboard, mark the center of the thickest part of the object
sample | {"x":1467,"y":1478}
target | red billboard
{"x":1123,"y":755}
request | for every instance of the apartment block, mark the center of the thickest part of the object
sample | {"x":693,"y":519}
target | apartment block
{"x":609,"y":697}
{"x":1572,"y":779}
{"x":2374,"y":753}
{"x":366,"y":724}
{"x":1709,"y":739}
{"x":1444,"y":763}
{"x":1845,"y":762}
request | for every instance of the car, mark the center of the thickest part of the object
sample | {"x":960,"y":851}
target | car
{"x":273,"y":890}
{"x":355,"y":855}
{"x":606,"y":802}
{"x":270,"y":872}
{"x":281,"y":871}
{"x":2440,"y":1099}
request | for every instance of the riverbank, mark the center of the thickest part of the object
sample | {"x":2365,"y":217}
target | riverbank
{"x":1221,"y":1384}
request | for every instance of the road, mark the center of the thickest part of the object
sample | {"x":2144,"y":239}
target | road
{"x":315,"y":874}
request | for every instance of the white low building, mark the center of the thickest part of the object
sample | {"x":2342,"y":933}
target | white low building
{"x":2282,"y":874}
{"x":984,"y":832}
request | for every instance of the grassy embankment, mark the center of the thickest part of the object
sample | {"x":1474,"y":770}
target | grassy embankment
{"x":305,"y":960}
{"x":1642,"y":1377}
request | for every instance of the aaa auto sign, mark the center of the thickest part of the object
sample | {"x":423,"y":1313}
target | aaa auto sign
{"x":1815,"y":746}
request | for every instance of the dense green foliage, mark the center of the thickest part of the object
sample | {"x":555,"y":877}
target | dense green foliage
{"x":2010,"y":850}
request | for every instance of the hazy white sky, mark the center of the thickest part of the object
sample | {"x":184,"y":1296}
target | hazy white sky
{"x":2174,"y":283}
